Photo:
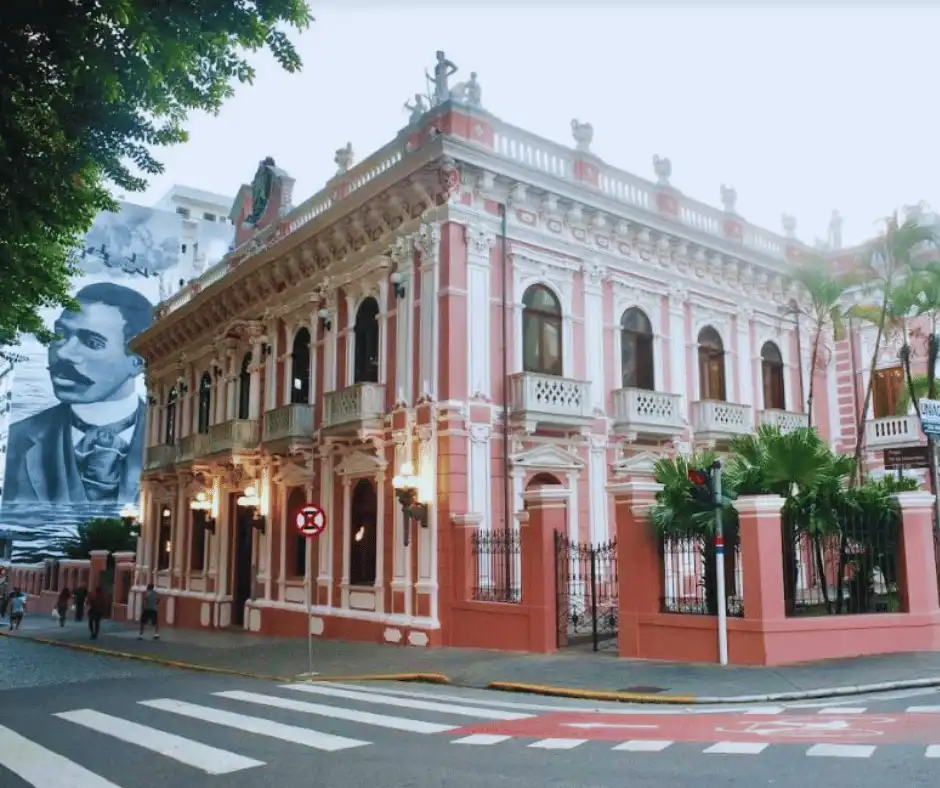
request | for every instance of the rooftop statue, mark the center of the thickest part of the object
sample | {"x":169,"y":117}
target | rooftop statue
{"x":443,"y":70}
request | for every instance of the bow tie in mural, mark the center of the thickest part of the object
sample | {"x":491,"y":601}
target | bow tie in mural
{"x":100,"y":456}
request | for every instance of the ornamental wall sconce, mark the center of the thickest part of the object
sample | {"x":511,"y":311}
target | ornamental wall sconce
{"x":413,"y":495}
{"x":251,"y":500}
{"x":130,"y":514}
{"x":202,"y":502}
{"x":398,"y":282}
{"x":326,"y":319}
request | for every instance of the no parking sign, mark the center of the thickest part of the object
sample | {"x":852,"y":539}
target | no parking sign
{"x":310,"y":521}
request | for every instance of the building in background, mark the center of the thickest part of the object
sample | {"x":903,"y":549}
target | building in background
{"x":75,"y":438}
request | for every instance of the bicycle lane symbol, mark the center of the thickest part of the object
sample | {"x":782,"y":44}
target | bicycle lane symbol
{"x":802,"y":728}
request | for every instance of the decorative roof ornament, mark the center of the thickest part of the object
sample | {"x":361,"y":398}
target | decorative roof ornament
{"x":789,"y":225}
{"x":261,"y":189}
{"x":583,"y":134}
{"x":469,"y":92}
{"x":729,"y":198}
{"x":662,"y":166}
{"x":438,"y":88}
{"x":834,"y":237}
{"x":344,"y":159}
{"x":417,"y":110}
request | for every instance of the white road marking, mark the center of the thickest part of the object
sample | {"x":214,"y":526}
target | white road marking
{"x":736,"y":748}
{"x":406,"y":703}
{"x":481,"y":738}
{"x":923,"y":709}
{"x":643,"y":745}
{"x":41,"y":768}
{"x":258,"y":725}
{"x":842,"y":710}
{"x":210,"y":760}
{"x":841,"y":750}
{"x":557,"y":744}
{"x":933,"y":751}
{"x":337,"y":713}
{"x":604,"y":725}
{"x":766,"y":710}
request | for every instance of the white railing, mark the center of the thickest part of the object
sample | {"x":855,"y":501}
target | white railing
{"x":161,"y":456}
{"x":193,"y":446}
{"x":289,"y":421}
{"x":361,"y":402}
{"x":893,"y":432}
{"x":784,"y":420}
{"x":549,"y":398}
{"x":715,"y":420}
{"x":234,"y":435}
{"x":638,"y":411}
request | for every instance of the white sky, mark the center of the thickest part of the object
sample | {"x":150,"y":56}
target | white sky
{"x":802,"y":111}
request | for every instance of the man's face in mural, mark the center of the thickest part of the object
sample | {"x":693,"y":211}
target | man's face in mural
{"x":89,"y":362}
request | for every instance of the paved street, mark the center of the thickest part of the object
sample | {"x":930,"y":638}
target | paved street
{"x":72,"y":720}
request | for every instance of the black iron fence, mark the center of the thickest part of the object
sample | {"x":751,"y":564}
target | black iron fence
{"x":841,"y":564}
{"x":588,"y":594}
{"x":496,"y":565}
{"x":690,"y":575}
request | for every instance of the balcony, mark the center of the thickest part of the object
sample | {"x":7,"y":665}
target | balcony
{"x":357,"y":407}
{"x":237,"y":436}
{"x":893,"y":432}
{"x":784,"y":420}
{"x":719,"y":422}
{"x":639,"y":413}
{"x":548,"y":400}
{"x":194,"y":446}
{"x":158,"y":457}
{"x":289,"y":425}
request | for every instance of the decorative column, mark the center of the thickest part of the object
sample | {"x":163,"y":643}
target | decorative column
{"x":287,"y":532}
{"x":325,"y":575}
{"x":597,"y":486}
{"x":678,"y":372}
{"x":594,"y":276}
{"x":231,"y":385}
{"x":272,"y":330}
{"x":426,"y":585}
{"x":480,"y":243}
{"x":480,"y":473}
{"x":402,"y":254}
{"x":223,"y":530}
{"x":329,"y":344}
{"x":180,"y":531}
{"x":917,"y":565}
{"x":383,"y":330}
{"x":761,"y":558}
{"x":574,"y":506}
{"x":745,"y":358}
{"x":186,"y":405}
{"x":428,"y":243}
{"x":255,"y":369}
{"x":350,"y":343}
{"x":380,"y":543}
{"x":401,"y":575}
{"x":347,"y":546}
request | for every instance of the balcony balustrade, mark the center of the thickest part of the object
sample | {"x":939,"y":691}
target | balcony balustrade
{"x":785,"y":420}
{"x":158,"y":457}
{"x":549,"y":400}
{"x":356,"y":407}
{"x":893,"y":432}
{"x":289,"y":424}
{"x":235,"y":436}
{"x":643,"y":414}
{"x":718,"y":422}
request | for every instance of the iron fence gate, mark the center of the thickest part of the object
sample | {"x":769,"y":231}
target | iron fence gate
{"x":587,"y":593}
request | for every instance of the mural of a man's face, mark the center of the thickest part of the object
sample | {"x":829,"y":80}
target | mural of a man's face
{"x":89,"y":362}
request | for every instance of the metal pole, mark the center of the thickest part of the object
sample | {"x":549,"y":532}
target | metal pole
{"x":309,"y":614}
{"x":594,"y":595}
{"x":720,"y":571}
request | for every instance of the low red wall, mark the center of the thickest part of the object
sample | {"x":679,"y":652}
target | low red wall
{"x":492,"y":625}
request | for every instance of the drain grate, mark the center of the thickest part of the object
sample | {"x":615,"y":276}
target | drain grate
{"x":644,"y":689}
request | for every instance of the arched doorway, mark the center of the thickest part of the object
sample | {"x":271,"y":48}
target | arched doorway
{"x":363,"y":534}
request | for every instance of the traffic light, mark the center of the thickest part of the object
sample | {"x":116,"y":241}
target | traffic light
{"x":703,"y":490}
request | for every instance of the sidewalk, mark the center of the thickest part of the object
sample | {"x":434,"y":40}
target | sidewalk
{"x":577,"y":673}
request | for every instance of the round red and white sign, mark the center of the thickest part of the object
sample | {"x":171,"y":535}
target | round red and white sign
{"x":311,"y":520}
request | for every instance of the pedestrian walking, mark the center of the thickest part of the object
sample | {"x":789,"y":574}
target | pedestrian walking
{"x":62,"y":605}
{"x":81,"y":593}
{"x":4,"y":603}
{"x":150,"y":612}
{"x":17,"y":608}
{"x":95,"y":604}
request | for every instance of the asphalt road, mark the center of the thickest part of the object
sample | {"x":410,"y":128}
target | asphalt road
{"x":71,"y":720}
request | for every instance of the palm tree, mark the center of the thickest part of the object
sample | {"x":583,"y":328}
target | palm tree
{"x":823,"y":309}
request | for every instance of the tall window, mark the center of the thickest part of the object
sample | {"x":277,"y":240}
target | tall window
{"x":244,"y":388}
{"x":164,"y":535}
{"x":636,"y":350}
{"x":771,"y":367}
{"x":169,"y":416}
{"x":541,"y":331}
{"x":297,"y":544}
{"x":886,"y":391}
{"x":300,"y":368}
{"x":711,"y":365}
{"x":205,"y":404}
{"x":197,"y":547}
{"x":363,"y":538}
{"x":366,"y":364}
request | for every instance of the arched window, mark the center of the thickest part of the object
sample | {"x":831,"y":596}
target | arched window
{"x":244,"y":388}
{"x":636,"y":350}
{"x":169,"y":417}
{"x":205,"y":404}
{"x":711,"y":365}
{"x":297,"y":543}
{"x":366,"y":363}
{"x":541,"y":331}
{"x":363,"y":538}
{"x":300,"y":369}
{"x":771,"y":367}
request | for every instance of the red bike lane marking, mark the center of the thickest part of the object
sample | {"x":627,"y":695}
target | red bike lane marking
{"x":772,"y":728}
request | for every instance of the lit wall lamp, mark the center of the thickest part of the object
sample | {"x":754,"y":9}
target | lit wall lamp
{"x":202,"y":502}
{"x":251,"y":500}
{"x":326,"y":319}
{"x":130,"y":514}
{"x":412,"y":495}
{"x":398,"y":282}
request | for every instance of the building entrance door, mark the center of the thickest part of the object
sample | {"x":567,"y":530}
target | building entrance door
{"x":241,"y":564}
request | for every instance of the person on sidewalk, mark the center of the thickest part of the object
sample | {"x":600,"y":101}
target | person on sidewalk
{"x":4,"y":602}
{"x":95,"y":604}
{"x":62,"y":605}
{"x":81,"y":594}
{"x":149,"y":615}
{"x":17,"y":608}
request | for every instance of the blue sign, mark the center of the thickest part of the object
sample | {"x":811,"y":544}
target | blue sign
{"x":930,"y":416}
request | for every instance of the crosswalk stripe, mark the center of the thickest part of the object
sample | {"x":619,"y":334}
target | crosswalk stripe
{"x":352,"y":715}
{"x":557,"y":744}
{"x":211,"y":760}
{"x":923,"y":709}
{"x":482,"y":738}
{"x":841,"y":750}
{"x":498,"y":704}
{"x":258,"y":725}
{"x":736,"y":748}
{"x":407,"y":703}
{"x":842,"y":710}
{"x":933,"y":751}
{"x":643,"y":745}
{"x":41,"y":767}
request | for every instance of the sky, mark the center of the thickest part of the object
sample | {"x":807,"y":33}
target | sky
{"x":802,"y":111}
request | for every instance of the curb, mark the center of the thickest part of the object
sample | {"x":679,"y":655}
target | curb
{"x":705,"y":700}
{"x":426,"y":678}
